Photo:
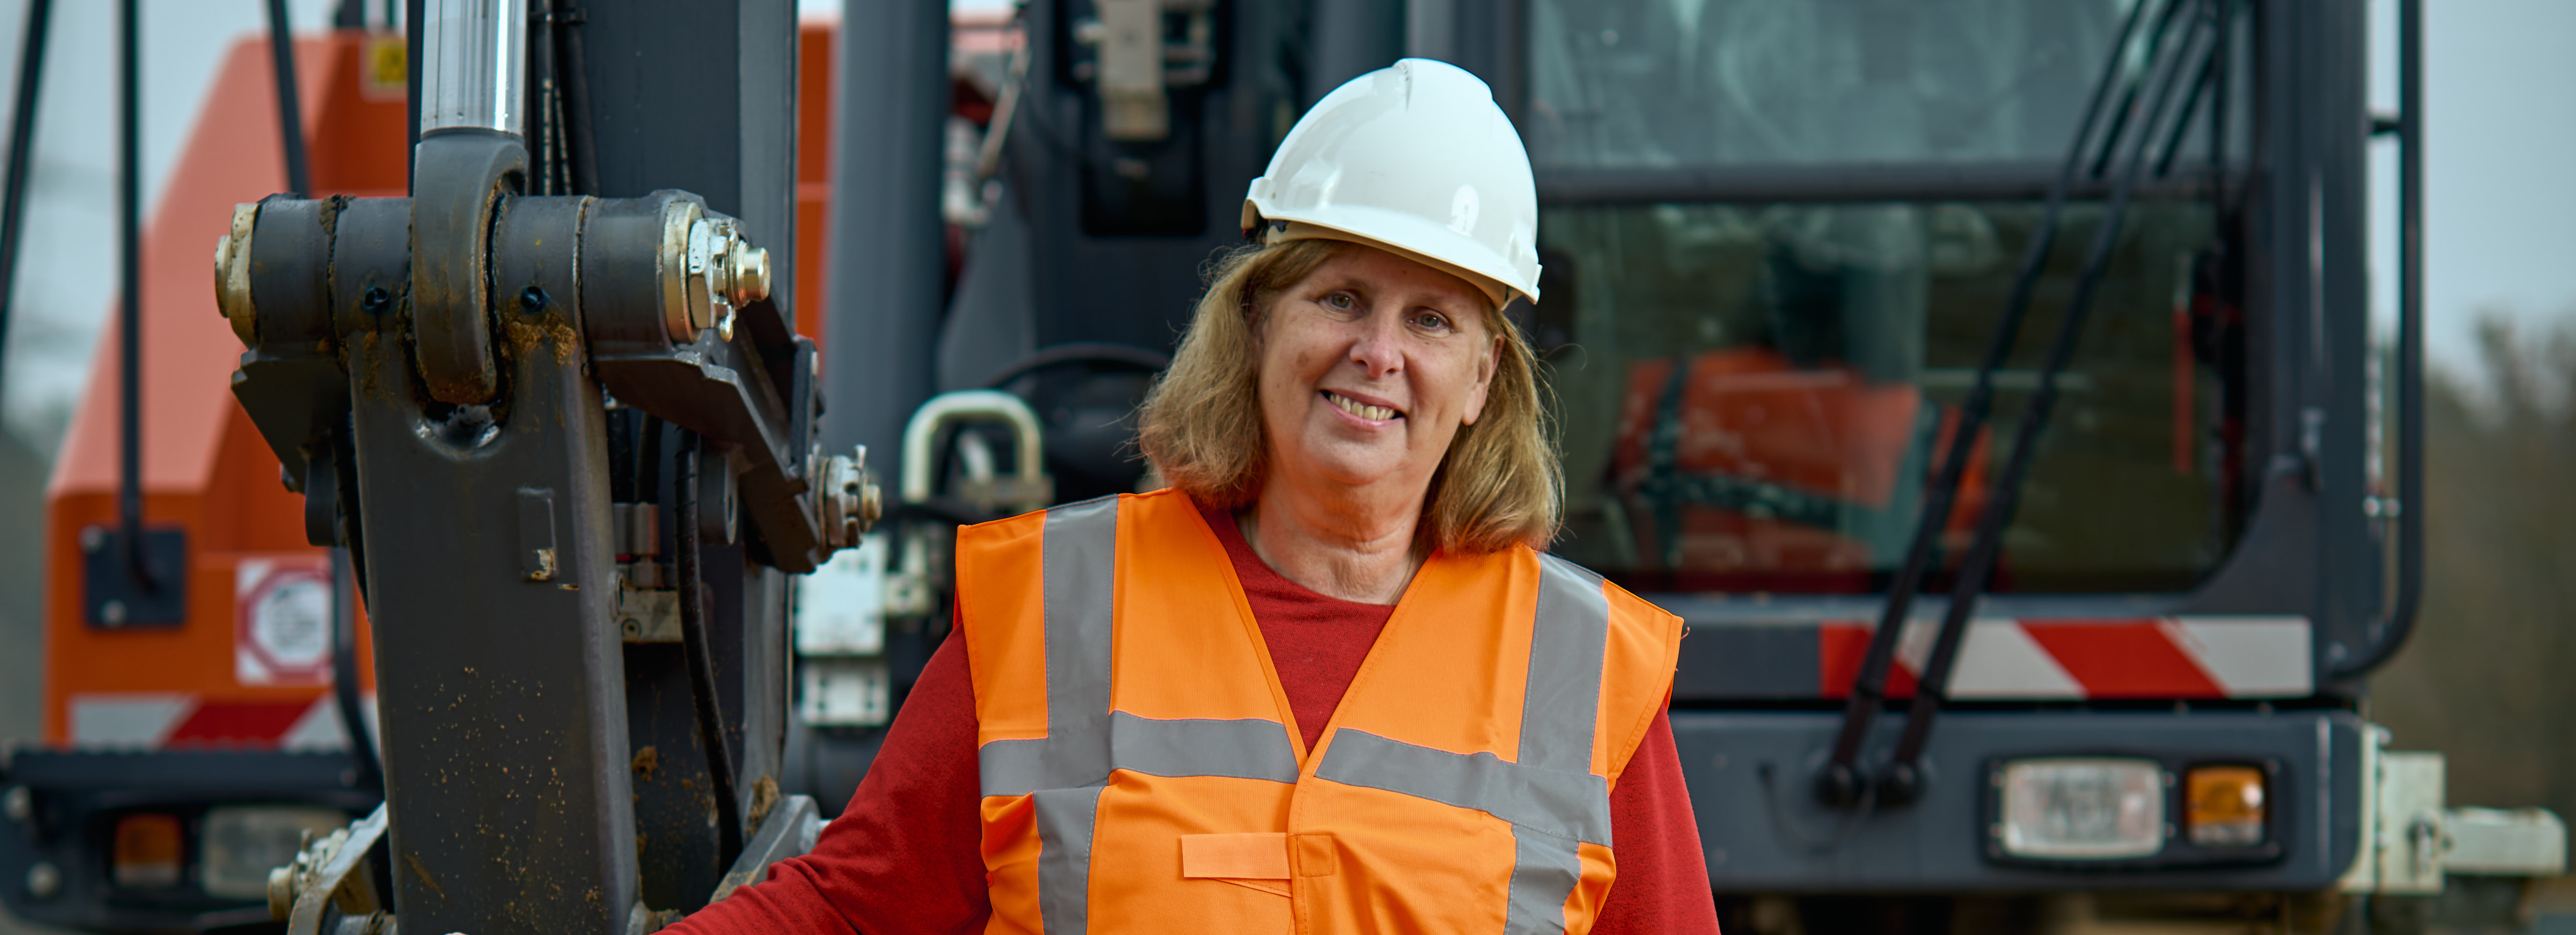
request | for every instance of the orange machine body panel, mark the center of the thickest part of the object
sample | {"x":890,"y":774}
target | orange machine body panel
{"x":207,"y":681}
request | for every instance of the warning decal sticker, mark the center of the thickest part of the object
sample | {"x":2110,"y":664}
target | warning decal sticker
{"x":282,"y":620}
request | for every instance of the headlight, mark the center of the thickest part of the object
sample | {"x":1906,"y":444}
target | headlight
{"x":2082,"y":808}
{"x":2223,"y":806}
{"x":241,"y":843}
{"x":146,"y":852}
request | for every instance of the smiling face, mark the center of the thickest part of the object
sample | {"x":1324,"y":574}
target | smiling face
{"x":1368,"y":367}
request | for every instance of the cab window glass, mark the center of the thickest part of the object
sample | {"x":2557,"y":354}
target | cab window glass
{"x":1752,"y":397}
{"x":1649,"y":83}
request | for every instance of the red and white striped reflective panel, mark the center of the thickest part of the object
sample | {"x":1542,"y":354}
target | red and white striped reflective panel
{"x":2025,"y":659}
{"x":159,"y":720}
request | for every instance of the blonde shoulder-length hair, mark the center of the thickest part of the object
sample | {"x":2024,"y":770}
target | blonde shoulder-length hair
{"x":1499,"y":485}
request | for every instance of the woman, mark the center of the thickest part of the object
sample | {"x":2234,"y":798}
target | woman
{"x":1321,"y":680}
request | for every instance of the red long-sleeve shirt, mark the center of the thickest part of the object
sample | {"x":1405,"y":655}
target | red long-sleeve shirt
{"x":906,"y":856}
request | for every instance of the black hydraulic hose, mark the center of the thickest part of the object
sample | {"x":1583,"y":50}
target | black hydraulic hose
{"x":22,"y":152}
{"x":574,"y":80}
{"x":545,"y":113}
{"x":344,"y":671}
{"x":2389,"y":633}
{"x":699,"y":654}
{"x":1840,"y":783}
{"x":290,"y":110}
{"x":129,"y":338}
{"x":1903,"y":772}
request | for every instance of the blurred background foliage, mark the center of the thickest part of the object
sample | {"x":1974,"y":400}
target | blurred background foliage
{"x":2490,"y":676}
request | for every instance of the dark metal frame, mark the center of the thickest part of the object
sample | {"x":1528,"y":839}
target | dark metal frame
{"x":1786,"y":184}
{"x":2386,"y":635}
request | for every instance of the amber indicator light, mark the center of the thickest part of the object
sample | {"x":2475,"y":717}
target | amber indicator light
{"x":2224,"y":806}
{"x":147,"y":852}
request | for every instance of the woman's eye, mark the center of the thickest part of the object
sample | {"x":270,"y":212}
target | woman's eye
{"x":1430,"y":321}
{"x":1341,"y":300}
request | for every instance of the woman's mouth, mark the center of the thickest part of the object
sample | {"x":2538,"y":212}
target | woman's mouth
{"x":1361,"y":409}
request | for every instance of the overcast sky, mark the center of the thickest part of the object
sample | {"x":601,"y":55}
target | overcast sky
{"x":2500,"y":201}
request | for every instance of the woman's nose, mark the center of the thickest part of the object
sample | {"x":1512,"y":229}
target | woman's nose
{"x":1377,"y":347}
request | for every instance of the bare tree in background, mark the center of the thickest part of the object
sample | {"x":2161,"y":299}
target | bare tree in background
{"x":2490,"y":677}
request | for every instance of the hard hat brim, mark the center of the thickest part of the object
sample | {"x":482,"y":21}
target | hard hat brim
{"x":1384,"y":230}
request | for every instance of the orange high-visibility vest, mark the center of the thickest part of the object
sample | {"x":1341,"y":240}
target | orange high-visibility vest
{"x":1141,"y":770}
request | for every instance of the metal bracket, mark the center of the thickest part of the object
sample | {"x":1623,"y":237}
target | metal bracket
{"x":333,"y":876}
{"x":114,"y":593}
{"x":790,"y":830}
{"x":646,"y":615}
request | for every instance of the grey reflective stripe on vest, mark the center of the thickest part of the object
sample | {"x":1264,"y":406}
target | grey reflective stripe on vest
{"x":1574,"y":806}
{"x":1065,"y":818}
{"x":1563,"y":699}
{"x":1079,"y":563}
{"x":1080,"y":566}
{"x":1065,"y":772}
{"x":1550,"y":795}
{"x":1247,"y":749}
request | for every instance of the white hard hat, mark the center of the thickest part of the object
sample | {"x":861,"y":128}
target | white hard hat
{"x":1415,"y":159}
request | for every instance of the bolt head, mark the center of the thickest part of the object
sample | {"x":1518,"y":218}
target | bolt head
{"x":44,"y":880}
{"x":93,"y":538}
{"x":681,"y":283}
{"x":281,"y":892}
{"x":112,"y":613}
{"x":750,"y":274}
{"x":18,"y":803}
{"x":232,"y":274}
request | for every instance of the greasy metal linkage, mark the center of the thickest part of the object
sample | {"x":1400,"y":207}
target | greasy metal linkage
{"x":445,"y":377}
{"x":1841,"y":782}
{"x":334,"y":881}
{"x":668,"y":306}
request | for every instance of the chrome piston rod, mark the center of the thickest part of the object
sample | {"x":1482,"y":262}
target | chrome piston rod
{"x":474,"y":66}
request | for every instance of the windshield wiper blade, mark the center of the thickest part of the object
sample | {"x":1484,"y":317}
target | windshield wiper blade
{"x":1841,"y":782}
{"x":1902,"y":779}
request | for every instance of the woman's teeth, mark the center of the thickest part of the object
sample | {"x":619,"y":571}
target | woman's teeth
{"x":1362,"y":410}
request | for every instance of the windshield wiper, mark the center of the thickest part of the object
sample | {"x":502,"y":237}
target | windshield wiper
{"x":1842,"y":783}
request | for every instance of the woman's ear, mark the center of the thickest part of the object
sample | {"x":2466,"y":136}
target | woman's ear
{"x":1493,"y":360}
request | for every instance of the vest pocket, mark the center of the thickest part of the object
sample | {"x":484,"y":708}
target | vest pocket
{"x":1257,"y":860}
